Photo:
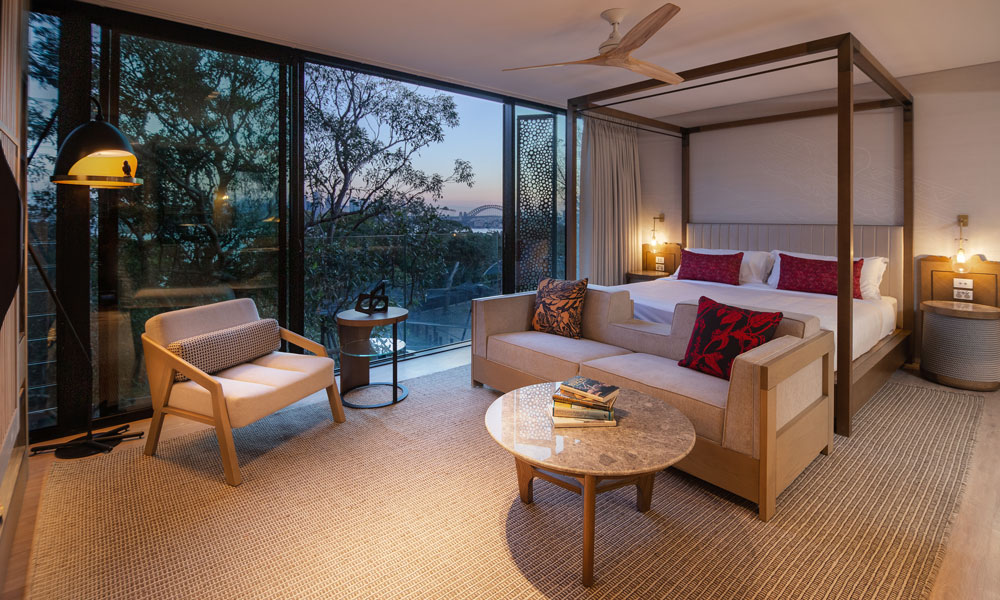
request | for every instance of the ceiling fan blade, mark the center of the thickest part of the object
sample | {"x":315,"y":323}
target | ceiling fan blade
{"x":594,"y":60}
{"x":645,"y":28}
{"x":651,"y":70}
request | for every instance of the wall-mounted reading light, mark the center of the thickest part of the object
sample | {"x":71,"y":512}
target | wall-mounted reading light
{"x":958,"y":262}
{"x":655,"y":219}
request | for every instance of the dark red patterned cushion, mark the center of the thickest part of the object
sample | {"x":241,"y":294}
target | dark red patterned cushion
{"x":816,"y":276}
{"x":559,"y":307}
{"x":722,"y":332}
{"x":723,"y":268}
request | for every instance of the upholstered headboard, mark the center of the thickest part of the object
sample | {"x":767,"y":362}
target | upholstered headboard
{"x":869,"y":240}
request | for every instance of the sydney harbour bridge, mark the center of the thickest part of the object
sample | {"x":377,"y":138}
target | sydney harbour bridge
{"x":487,"y":216}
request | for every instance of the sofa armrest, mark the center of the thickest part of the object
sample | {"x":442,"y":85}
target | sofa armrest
{"x":302,"y":342}
{"x":789,"y":368}
{"x":500,"y":314}
{"x":162,"y":365}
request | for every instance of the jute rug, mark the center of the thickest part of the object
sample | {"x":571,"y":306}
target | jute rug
{"x":417,"y":501}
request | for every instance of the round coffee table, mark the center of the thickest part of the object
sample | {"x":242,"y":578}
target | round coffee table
{"x":651,"y":435}
{"x":357,"y":348}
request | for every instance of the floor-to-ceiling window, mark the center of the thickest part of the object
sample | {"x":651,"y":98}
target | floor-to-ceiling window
{"x":282,"y":176}
{"x":205,"y":224}
{"x":203,"y":227}
{"x":403,"y":184}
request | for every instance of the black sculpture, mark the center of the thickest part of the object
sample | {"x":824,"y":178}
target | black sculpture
{"x":374,"y":301}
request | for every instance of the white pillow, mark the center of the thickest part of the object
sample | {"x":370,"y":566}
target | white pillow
{"x":871,"y":271}
{"x":754,"y":267}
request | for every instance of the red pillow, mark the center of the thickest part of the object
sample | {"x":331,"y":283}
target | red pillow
{"x":721,"y":333}
{"x":816,"y":276}
{"x":723,"y":268}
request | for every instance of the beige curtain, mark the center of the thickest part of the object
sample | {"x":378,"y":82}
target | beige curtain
{"x":610,"y":196}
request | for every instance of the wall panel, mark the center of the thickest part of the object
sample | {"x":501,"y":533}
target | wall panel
{"x":13,"y":358}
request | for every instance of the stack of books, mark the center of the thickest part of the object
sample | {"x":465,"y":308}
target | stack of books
{"x":583,"y":402}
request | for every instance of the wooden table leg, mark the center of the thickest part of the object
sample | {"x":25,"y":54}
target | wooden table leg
{"x":354,"y":370}
{"x":524,"y":480}
{"x":589,"y":501}
{"x":644,"y":492}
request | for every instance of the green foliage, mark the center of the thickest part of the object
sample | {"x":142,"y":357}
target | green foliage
{"x":370,"y":214}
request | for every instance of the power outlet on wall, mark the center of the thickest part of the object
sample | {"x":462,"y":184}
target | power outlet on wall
{"x":963,"y":294}
{"x":964,"y":284}
{"x":660,"y":261}
{"x":661,"y":267}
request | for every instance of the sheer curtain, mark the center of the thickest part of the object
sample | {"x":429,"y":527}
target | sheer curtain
{"x":610,"y":197}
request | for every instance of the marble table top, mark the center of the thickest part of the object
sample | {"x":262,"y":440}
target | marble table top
{"x":651,"y":434}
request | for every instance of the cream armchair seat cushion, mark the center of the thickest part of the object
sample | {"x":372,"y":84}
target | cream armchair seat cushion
{"x":258,"y":388}
{"x":702,"y":398}
{"x":546,"y":355}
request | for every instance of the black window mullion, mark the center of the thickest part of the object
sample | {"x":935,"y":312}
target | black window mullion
{"x":296,"y":241}
{"x":74,"y":395}
{"x":508,"y":263}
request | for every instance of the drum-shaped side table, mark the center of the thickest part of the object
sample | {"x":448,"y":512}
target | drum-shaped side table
{"x":357,"y":348}
{"x":961,"y":344}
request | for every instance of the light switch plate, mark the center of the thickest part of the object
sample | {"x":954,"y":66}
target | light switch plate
{"x":964,"y":284}
{"x":660,"y":261}
{"x":963,"y":294}
{"x":661,"y":267}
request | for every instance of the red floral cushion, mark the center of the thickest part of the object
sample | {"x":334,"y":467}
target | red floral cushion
{"x":723,"y":268}
{"x":722,"y":332}
{"x":559,"y":307}
{"x":816,"y":276}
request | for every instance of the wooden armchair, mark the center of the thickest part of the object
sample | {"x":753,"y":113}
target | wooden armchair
{"x":236,"y":396}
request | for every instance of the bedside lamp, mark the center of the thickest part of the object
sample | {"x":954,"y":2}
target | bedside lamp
{"x":958,"y":262}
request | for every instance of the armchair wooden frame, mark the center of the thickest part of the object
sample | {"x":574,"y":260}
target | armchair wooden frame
{"x":162,"y":366}
{"x":856,"y":380}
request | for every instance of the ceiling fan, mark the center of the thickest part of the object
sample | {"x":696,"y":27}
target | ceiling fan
{"x":617,"y":49}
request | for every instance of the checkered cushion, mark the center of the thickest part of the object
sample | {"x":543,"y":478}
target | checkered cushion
{"x":217,"y":350}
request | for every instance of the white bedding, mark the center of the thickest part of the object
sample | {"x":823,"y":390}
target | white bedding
{"x":655,"y":301}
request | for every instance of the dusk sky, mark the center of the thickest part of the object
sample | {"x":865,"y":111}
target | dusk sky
{"x":479,"y":140}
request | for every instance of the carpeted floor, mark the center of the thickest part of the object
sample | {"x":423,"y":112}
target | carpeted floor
{"x":417,"y":501}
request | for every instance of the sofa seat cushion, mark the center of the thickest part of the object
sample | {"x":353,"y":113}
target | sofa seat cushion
{"x":258,"y":388}
{"x":546,"y":355}
{"x":702,"y":398}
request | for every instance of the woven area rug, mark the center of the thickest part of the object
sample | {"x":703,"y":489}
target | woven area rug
{"x":417,"y":501}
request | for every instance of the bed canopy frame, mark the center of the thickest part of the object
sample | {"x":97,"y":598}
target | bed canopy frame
{"x":858,"y":379}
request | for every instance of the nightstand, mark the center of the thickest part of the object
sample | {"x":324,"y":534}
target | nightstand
{"x":961,"y":344}
{"x":637,"y":276}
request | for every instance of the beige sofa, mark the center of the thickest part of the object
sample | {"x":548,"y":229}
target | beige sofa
{"x":755,"y":433}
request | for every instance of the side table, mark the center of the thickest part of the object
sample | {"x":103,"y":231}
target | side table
{"x":358,"y":347}
{"x":961,"y":344}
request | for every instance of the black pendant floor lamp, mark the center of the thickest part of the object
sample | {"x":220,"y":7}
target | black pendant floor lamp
{"x":97,"y":155}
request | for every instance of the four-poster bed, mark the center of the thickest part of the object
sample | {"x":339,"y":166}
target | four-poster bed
{"x":858,"y":378}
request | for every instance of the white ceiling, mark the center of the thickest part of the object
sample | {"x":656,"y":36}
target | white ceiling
{"x":470,"y":41}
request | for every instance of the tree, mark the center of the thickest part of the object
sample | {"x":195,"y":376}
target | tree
{"x":369,"y":212}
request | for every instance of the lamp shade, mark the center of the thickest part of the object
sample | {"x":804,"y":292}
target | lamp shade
{"x":96,"y":154}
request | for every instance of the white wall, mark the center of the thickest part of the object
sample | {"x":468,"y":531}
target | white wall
{"x":660,"y":184}
{"x":786,"y":172}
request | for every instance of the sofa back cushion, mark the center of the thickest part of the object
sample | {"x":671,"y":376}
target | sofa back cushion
{"x":188,"y":322}
{"x":721,"y":333}
{"x":217,"y":350}
{"x":559,"y":307}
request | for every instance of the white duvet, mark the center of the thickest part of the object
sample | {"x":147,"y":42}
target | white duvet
{"x":655,"y":301}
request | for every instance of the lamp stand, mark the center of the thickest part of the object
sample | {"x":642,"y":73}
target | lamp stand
{"x":91,"y":443}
